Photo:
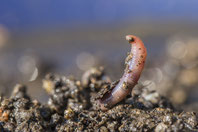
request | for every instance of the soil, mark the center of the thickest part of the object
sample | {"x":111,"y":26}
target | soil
{"x":72,"y":107}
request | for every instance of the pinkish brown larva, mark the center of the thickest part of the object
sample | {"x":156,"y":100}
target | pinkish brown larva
{"x":134,"y":66}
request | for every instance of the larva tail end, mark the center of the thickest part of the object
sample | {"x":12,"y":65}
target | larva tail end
{"x":130,"y":38}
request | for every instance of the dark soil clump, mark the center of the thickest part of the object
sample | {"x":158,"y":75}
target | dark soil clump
{"x":71,"y":107}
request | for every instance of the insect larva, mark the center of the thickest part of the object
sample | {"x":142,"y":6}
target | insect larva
{"x":134,"y":66}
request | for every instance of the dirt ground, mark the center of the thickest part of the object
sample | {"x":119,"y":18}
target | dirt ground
{"x":71,"y":107}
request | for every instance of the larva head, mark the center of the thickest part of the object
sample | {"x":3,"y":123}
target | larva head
{"x":133,"y":39}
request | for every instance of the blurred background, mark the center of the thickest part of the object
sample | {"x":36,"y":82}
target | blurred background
{"x":68,"y":37}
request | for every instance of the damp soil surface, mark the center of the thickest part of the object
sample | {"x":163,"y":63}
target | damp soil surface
{"x":72,"y":107}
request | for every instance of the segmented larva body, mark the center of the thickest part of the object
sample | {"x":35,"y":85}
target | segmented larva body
{"x":134,"y":66}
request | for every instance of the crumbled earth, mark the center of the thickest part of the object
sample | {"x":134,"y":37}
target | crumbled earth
{"x":71,"y":107}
